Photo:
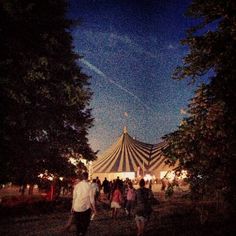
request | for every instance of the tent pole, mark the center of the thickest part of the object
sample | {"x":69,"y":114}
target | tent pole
{"x":143,"y":168}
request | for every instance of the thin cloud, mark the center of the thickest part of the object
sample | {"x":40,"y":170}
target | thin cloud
{"x":170,"y":46}
{"x":136,"y":47}
{"x":99,"y":72}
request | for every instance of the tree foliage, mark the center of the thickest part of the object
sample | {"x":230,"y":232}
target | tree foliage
{"x":205,"y":141}
{"x":44,"y":94}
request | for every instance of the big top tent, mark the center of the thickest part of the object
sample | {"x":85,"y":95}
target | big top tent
{"x":131,"y":158}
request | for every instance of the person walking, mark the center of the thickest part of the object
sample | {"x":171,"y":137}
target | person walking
{"x":130,"y":202}
{"x":116,"y":200}
{"x":143,"y":208}
{"x":106,"y":187}
{"x":70,"y":220}
{"x":95,"y":190}
{"x":83,"y":204}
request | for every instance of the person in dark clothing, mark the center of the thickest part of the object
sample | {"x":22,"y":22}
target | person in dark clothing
{"x":106,"y":187}
{"x":143,"y":207}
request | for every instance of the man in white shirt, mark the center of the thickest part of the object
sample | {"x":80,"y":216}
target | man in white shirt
{"x":83,"y":204}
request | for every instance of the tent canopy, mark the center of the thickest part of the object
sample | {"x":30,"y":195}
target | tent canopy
{"x":128,"y":154}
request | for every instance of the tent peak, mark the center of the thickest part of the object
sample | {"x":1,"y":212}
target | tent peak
{"x":125,"y":130}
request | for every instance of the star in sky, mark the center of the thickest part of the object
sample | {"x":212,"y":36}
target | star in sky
{"x":130,"y":49}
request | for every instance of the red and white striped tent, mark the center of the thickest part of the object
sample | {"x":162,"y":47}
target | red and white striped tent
{"x":128,"y":157}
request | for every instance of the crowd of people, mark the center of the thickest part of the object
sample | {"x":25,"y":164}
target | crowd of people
{"x":120,"y":194}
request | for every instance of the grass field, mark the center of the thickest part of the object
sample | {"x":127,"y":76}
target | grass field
{"x":174,"y":216}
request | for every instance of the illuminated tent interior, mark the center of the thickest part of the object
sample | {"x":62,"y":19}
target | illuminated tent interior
{"x":128,"y":157}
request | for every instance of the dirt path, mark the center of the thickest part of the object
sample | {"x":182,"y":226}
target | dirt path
{"x":162,"y":223}
{"x":173,"y":217}
{"x":102,"y":225}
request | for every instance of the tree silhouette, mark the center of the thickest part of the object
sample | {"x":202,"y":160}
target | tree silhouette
{"x":44,"y":94}
{"x":205,"y":141}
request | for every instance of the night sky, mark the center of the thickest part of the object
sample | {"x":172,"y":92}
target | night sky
{"x":130,"y":49}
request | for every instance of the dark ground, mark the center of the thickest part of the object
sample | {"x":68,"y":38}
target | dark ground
{"x":173,"y":217}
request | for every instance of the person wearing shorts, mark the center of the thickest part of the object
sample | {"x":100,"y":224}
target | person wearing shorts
{"x":116,"y":200}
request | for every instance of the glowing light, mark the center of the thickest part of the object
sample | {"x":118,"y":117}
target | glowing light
{"x":130,"y":175}
{"x":183,"y":174}
{"x":83,"y":161}
{"x":170,"y":175}
{"x":40,"y":175}
{"x":122,"y":175}
{"x":147,"y":177}
{"x":73,"y":161}
{"x":162,"y":174}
